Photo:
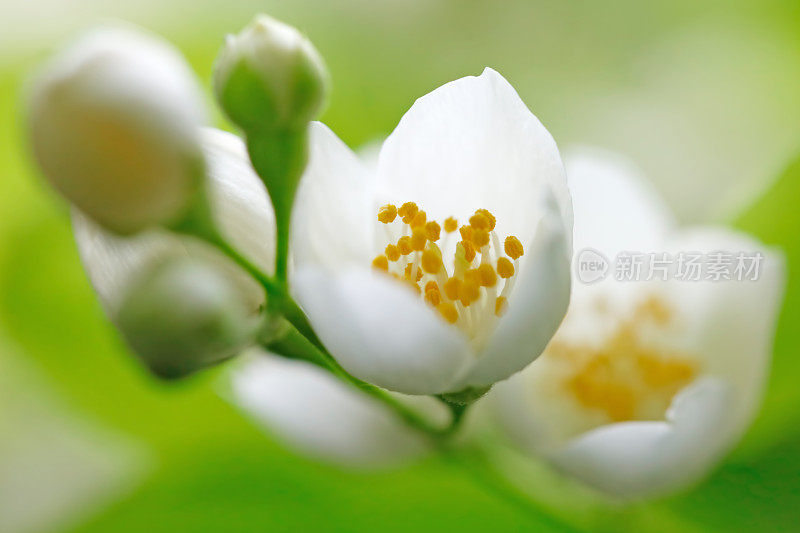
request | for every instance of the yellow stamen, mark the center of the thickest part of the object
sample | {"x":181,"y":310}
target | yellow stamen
{"x":392,"y":252}
{"x":419,"y":219}
{"x":418,"y":239}
{"x":408,"y":209}
{"x":468,"y":292}
{"x":451,"y":287}
{"x":469,"y":250}
{"x":487,"y":275}
{"x":505,"y":268}
{"x":448,"y":311}
{"x":478,"y":221}
{"x":433,"y":297}
{"x":432,"y":231}
{"x":628,"y":376}
{"x":500,"y":305}
{"x":513,"y":247}
{"x":480,"y":237}
{"x":431,"y":260}
{"x":404,"y":245}
{"x":409,"y":271}
{"x":489,"y":216}
{"x":472,"y":276}
{"x":381,"y":263}
{"x":387,"y":213}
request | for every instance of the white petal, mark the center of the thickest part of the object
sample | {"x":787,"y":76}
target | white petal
{"x":635,"y":460}
{"x":381,"y":332}
{"x":470,"y":144}
{"x":535,"y":308}
{"x":332,"y":218}
{"x":320,"y":416}
{"x":615,"y":208}
{"x":239,"y":200}
{"x":240,"y":205}
{"x":731,"y":324}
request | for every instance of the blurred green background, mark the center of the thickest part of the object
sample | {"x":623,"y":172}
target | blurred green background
{"x":702,"y":95}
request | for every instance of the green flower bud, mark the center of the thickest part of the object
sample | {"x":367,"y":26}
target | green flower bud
{"x":183,"y":315}
{"x":114,"y":124}
{"x":270,"y":77}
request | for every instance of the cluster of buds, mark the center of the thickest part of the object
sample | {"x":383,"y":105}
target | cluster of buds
{"x":117,"y":127}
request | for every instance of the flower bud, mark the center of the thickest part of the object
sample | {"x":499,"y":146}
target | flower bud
{"x":114,"y":123}
{"x":183,"y":315}
{"x":270,"y":77}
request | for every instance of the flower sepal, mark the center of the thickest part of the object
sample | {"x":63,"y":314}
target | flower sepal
{"x":465,"y":396}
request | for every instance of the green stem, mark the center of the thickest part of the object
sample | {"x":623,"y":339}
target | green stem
{"x":279,"y":157}
{"x":279,"y":297}
{"x":481,"y":469}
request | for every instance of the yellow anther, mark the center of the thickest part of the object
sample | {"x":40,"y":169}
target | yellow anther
{"x":433,"y":297}
{"x":387,"y":213}
{"x":500,"y":305}
{"x":472,"y":276}
{"x":468,"y":292}
{"x":409,"y":271}
{"x":392,"y":252}
{"x":489,"y":216}
{"x":431,"y":261}
{"x":513,"y":247}
{"x":419,"y":219}
{"x":505,"y":268}
{"x":480,"y":237}
{"x":408,"y":209}
{"x":627,"y":377}
{"x":418,"y":239}
{"x":448,"y":311}
{"x":418,"y":257}
{"x":432,"y":231}
{"x":487,"y":275}
{"x":469,"y":250}
{"x":451,"y":287}
{"x":381,"y":263}
{"x":478,"y":221}
{"x":404,"y":245}
{"x":466,"y":233}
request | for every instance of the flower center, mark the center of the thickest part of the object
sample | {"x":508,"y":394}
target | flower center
{"x":626,"y":377}
{"x":469,"y":290}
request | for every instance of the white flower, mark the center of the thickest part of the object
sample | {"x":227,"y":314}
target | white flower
{"x":240,"y":206}
{"x":315,"y":413}
{"x":114,"y":126}
{"x":646,"y":384}
{"x":469,"y":145}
